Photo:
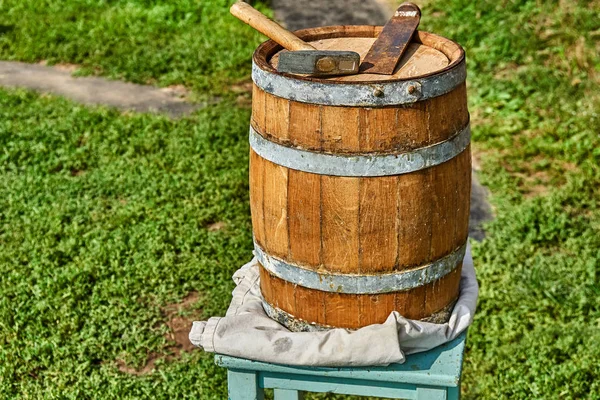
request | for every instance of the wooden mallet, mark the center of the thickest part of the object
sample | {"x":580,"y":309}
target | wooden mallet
{"x":302,"y":57}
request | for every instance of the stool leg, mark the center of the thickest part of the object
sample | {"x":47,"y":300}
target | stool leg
{"x":243,"y":385}
{"x":431,"y":394}
{"x":454,"y":393}
{"x":286,"y":394}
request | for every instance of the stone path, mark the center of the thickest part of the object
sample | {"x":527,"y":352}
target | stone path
{"x":298,"y":14}
{"x":94,"y":90}
{"x":481,"y":211}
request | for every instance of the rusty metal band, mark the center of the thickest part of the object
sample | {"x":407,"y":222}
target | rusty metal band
{"x":360,"y":284}
{"x":360,"y":165}
{"x":299,"y":325}
{"x":376,"y":94}
{"x":292,"y":323}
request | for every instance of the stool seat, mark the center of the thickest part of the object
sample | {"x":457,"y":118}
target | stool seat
{"x":434,"y":374}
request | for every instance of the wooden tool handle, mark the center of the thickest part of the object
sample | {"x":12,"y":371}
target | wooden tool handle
{"x":270,"y":28}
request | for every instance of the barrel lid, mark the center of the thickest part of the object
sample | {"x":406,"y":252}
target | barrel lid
{"x":428,"y":54}
{"x":432,"y":67}
{"x":418,"y":60}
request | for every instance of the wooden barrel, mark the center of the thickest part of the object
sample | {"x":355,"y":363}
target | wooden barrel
{"x":359,"y":185}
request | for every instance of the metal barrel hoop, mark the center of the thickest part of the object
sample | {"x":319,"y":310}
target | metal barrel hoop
{"x":299,"y":325}
{"x":360,"y":165}
{"x":360,"y":284}
{"x":375,"y":94}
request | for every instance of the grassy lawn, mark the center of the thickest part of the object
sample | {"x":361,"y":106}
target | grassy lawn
{"x":107,"y":218}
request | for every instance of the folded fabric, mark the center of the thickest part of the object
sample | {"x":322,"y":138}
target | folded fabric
{"x":246,"y":331}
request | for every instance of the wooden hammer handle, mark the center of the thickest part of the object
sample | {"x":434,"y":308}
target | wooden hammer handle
{"x":268,"y":27}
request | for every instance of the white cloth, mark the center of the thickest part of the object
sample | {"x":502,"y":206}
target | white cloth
{"x":246,"y":331}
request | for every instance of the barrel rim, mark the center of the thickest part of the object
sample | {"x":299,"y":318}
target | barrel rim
{"x":267,"y":49}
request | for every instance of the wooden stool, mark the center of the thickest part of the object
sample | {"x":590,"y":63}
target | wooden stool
{"x":431,"y":375}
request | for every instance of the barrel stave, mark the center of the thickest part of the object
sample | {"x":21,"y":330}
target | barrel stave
{"x":378,"y":224}
{"x":339,"y":219}
{"x":304,"y":129}
{"x":275,"y":207}
{"x":350,"y":130}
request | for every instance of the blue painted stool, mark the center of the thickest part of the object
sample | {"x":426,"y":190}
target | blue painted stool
{"x":431,"y":375}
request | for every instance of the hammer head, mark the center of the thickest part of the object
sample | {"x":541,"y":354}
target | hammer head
{"x":319,"y":62}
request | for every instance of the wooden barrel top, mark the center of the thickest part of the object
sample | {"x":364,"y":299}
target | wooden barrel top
{"x":418,"y":59}
{"x":427,"y":55}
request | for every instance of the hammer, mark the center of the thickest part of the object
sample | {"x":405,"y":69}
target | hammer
{"x":302,"y":57}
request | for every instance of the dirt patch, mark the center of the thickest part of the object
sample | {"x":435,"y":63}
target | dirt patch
{"x":179,"y":329}
{"x":176,"y":91}
{"x":179,"y":325}
{"x":509,"y":71}
{"x":533,"y":184}
{"x":244,"y":93}
{"x":217,"y":226}
{"x":579,"y":56}
{"x":76,"y":172}
{"x":476,"y":157}
{"x":145,"y":370}
{"x":537,"y":177}
{"x":242,"y":87}
{"x":65,"y":67}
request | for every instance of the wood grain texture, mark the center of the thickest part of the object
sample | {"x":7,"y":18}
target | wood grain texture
{"x":376,"y":308}
{"x":414,"y":219}
{"x":339,"y":219}
{"x":342,"y":310}
{"x":258,"y":108}
{"x":305,"y":125}
{"x":444,"y":201}
{"x":377,"y":129}
{"x":411,"y":303}
{"x":277,"y":118}
{"x":283,"y":293}
{"x":463,"y":204}
{"x":426,"y":53}
{"x":257,"y":201}
{"x":275,"y":203}
{"x":448,"y":114}
{"x":266,"y":287}
{"x":378,"y":224}
{"x":304,"y":197}
{"x":311,"y":305}
{"x":442,"y":292}
{"x":340,"y":129}
{"x":417,"y":60}
{"x":304,"y":189}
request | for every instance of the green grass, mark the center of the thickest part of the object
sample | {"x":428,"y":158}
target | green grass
{"x":194,"y":43}
{"x":534,"y":86}
{"x":103,"y":220}
{"x":104,"y":216}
